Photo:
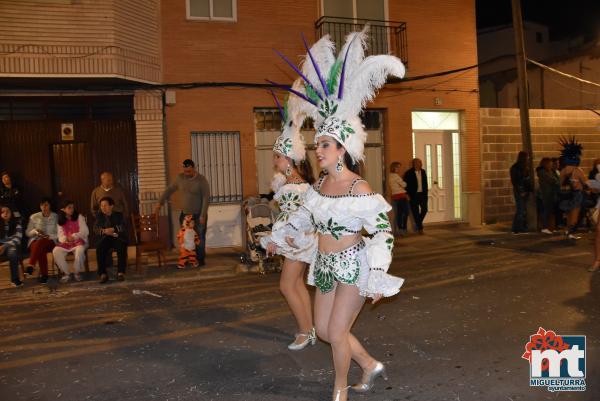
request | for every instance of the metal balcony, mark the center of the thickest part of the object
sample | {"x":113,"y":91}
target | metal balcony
{"x":385,"y":37}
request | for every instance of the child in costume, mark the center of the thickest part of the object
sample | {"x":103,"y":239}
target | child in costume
{"x":348,"y":267}
{"x":292,"y":179}
{"x":188,"y":241}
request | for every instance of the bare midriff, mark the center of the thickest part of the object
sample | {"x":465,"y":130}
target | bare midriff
{"x":328,"y":244}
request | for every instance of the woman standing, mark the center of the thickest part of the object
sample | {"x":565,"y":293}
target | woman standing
{"x":348,"y":267}
{"x":11,"y":234}
{"x":399,"y":197}
{"x":42,"y":231}
{"x":292,"y":179}
{"x":572,"y":181}
{"x":549,"y":186}
{"x":72,"y":238}
{"x":11,"y":196}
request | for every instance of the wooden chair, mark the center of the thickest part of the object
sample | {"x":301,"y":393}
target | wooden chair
{"x":147,"y":238}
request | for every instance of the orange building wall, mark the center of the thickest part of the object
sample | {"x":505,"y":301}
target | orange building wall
{"x":441,"y":36}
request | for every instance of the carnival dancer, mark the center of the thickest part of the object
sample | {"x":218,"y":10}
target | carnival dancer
{"x":293,"y":177}
{"x":573,"y":182}
{"x":348,"y":267}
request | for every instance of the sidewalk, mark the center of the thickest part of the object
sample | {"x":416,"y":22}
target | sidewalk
{"x":219,"y":263}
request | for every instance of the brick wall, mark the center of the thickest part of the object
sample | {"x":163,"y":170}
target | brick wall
{"x":501,"y":141}
{"x":242,"y":51}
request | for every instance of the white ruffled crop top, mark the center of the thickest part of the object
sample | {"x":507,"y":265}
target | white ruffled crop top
{"x":290,"y":197}
{"x":348,"y":214}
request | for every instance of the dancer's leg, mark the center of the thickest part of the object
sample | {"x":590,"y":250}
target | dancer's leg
{"x":346,"y":307}
{"x":292,"y":274}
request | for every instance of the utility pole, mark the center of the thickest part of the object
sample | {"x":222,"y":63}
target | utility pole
{"x":523,"y":94}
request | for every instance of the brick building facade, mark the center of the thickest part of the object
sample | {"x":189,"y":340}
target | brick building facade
{"x":241,"y":51}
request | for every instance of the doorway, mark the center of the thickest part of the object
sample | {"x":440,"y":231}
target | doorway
{"x":434,"y":149}
{"x":72,"y":174}
{"x":436,"y":143}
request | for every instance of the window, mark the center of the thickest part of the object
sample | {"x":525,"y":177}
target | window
{"x":361,"y":9}
{"x":539,"y":37}
{"x":428,"y":164}
{"x":440,"y":165}
{"x":371,"y":119}
{"x":456,"y":174}
{"x":215,"y":10}
{"x":217,"y":157}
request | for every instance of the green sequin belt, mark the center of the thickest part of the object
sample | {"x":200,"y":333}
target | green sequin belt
{"x":343,"y":266}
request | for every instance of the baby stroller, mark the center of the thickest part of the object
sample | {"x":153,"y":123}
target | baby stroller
{"x":260,"y":216}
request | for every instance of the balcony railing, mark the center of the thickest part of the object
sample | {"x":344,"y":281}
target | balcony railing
{"x":385,"y":37}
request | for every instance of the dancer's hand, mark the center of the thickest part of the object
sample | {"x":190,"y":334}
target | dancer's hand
{"x":271,"y":248}
{"x":291,"y":242}
{"x":376,"y":298}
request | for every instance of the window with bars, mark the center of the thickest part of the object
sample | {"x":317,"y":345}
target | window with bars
{"x":217,"y":157}
{"x":269,"y":119}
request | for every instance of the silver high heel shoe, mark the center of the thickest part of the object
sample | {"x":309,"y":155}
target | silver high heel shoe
{"x":338,"y":393}
{"x":368,"y":379}
{"x":311,"y":338}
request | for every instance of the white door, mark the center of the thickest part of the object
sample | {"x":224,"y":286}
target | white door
{"x":434,"y":148}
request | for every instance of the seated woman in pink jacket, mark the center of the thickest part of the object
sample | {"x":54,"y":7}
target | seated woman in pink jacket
{"x":72,"y":237}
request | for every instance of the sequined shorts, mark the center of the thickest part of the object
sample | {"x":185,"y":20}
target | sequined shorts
{"x":343,"y":266}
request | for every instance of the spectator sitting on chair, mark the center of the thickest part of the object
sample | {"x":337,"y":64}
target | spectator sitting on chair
{"x":110,"y":227}
{"x":195,"y":193}
{"x":11,"y":234}
{"x":417,"y":189}
{"x":72,"y":238}
{"x":11,"y":196}
{"x":108,"y":189}
{"x":42,"y":231}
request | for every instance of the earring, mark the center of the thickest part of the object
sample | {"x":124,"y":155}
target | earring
{"x":288,"y":171}
{"x":339,"y":165}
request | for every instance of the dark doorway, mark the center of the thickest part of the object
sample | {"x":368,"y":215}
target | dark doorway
{"x":43,"y":163}
{"x":72,"y":174}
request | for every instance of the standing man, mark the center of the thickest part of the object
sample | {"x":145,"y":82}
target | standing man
{"x":195,"y":193}
{"x":520,"y":178}
{"x":108,"y":189}
{"x":417,"y":189}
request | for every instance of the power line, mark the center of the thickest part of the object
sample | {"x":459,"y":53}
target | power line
{"x":564,"y":74}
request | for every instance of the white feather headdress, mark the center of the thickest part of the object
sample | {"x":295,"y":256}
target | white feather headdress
{"x":336,"y":89}
{"x":290,"y":142}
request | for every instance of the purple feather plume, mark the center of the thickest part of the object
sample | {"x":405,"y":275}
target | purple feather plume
{"x":314,"y":63}
{"x":298,"y":71}
{"x":295,"y":92}
{"x":341,"y":86}
{"x":278,"y":105}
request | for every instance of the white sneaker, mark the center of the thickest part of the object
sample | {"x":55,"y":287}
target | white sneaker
{"x":546,"y":231}
{"x":65,"y":278}
{"x":571,"y":236}
{"x":78,"y":277}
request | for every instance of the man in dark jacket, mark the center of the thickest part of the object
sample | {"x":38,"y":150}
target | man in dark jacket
{"x":521,"y":183}
{"x":417,"y":189}
{"x":112,"y":232}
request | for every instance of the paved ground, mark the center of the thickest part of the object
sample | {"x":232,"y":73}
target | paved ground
{"x":456,"y":331}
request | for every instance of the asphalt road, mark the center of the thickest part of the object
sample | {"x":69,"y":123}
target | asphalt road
{"x":456,"y":331}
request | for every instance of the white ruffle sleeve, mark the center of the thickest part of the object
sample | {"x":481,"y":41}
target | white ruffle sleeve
{"x":295,"y":222}
{"x":373,"y":213}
